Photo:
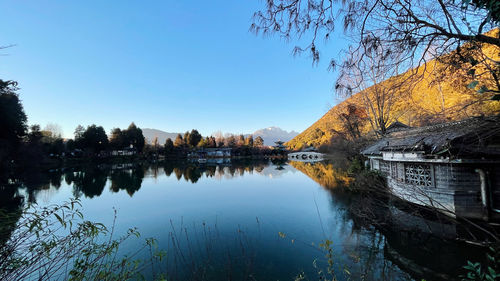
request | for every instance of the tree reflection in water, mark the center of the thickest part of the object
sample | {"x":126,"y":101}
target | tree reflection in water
{"x":129,"y":180}
{"x":90,"y":181}
{"x":425,"y":244}
{"x":422,"y":245}
{"x":10,"y":209}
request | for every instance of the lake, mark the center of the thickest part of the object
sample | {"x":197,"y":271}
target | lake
{"x":251,"y":220}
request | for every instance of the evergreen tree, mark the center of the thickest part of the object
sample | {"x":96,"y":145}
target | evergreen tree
{"x":95,"y":138}
{"x":194,"y":138}
{"x":117,"y":139}
{"x":186,"y":138}
{"x":258,"y":141}
{"x":221,"y":142}
{"x":202,"y":143}
{"x":178,"y":141}
{"x":134,"y":136}
{"x":241,"y":140}
{"x":207,"y":141}
{"x":155,"y":144}
{"x":231,"y":141}
{"x":12,"y":119}
{"x":35,"y":135}
{"x":249,"y":141}
{"x":79,"y":131}
{"x":169,"y":145}
{"x":70,"y":145}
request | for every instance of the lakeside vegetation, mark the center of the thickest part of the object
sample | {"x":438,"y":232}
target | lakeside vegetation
{"x":30,"y":146}
{"x":434,"y":92}
{"x":452,"y":71}
{"x":205,"y":251}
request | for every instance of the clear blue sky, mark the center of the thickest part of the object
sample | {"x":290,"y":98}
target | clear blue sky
{"x":169,"y":65}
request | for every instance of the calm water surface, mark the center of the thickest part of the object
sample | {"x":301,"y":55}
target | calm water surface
{"x":246,"y":220}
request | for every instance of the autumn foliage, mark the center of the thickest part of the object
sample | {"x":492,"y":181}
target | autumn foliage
{"x":434,"y":92}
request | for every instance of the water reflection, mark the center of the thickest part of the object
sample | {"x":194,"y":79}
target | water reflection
{"x":90,"y":181}
{"x":328,"y":174}
{"x":129,"y":180}
{"x":372,"y":243}
{"x":423,"y":243}
{"x":10,"y":210}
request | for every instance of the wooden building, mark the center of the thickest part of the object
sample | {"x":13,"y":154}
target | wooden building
{"x":453,"y":167}
{"x":220,"y":152}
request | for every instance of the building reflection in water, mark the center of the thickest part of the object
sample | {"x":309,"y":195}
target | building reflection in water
{"x":423,"y":244}
{"x":90,"y":181}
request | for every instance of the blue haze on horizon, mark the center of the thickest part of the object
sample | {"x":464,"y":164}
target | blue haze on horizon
{"x":168,"y":65}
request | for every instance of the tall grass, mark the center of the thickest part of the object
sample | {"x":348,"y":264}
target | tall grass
{"x":56,"y":243}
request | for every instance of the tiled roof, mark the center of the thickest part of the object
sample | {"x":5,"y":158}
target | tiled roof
{"x":477,"y":135}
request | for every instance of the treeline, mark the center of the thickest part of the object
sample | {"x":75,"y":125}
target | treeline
{"x":194,"y":139}
{"x":94,"y":139}
{"x":22,"y":145}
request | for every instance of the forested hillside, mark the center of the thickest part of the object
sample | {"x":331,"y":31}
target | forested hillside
{"x":434,"y":92}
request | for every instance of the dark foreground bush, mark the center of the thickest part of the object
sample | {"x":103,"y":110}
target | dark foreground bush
{"x":56,"y":243}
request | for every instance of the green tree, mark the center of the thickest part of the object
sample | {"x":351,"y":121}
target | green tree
{"x":34,"y":151}
{"x":241,"y":140}
{"x":249,"y":141}
{"x":169,"y":145}
{"x":12,"y":119}
{"x":186,"y":138}
{"x":70,"y":145}
{"x":79,"y":130}
{"x":221,"y":141}
{"x":117,"y":139}
{"x":134,"y":136}
{"x":35,"y":135}
{"x":258,"y":141}
{"x":94,"y":138}
{"x":194,"y":138}
{"x":202,"y":143}
{"x":155,"y":143}
{"x":179,"y":142}
{"x":206,"y":140}
{"x":56,"y":146}
{"x":154,"y":147}
{"x":231,"y":141}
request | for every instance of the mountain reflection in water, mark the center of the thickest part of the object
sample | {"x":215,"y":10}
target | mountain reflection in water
{"x":398,"y":245}
{"x":425,"y":244}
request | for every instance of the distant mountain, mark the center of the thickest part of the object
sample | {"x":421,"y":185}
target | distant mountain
{"x":269,"y":135}
{"x":151,"y":134}
{"x":273,"y":134}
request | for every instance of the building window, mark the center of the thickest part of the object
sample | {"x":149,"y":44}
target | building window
{"x":418,"y":174}
{"x":394,"y":170}
{"x":385,"y":167}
